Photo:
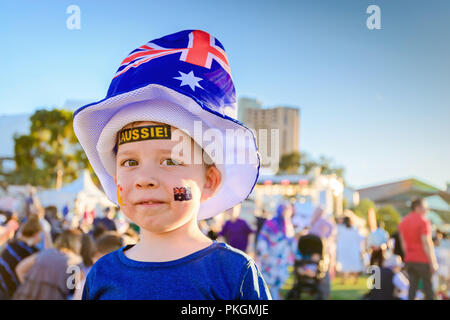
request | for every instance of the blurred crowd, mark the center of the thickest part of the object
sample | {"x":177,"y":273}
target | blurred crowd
{"x":46,"y":254}
{"x":296,"y":259}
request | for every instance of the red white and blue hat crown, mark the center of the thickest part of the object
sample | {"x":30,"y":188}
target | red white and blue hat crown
{"x":177,"y":79}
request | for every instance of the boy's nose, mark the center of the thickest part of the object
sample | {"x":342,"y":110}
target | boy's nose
{"x":146,"y":182}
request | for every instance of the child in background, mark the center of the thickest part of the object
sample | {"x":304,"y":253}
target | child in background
{"x":393,"y":283}
{"x":142,"y":141}
{"x":107,"y":243}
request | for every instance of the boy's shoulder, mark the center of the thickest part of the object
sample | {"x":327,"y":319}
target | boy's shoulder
{"x":229,"y":259}
{"x":228,"y":252}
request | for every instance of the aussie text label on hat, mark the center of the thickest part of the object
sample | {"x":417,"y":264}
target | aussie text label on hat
{"x":144,"y":133}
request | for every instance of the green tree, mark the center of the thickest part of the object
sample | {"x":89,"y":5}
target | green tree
{"x":362,"y":209}
{"x":50,"y":146}
{"x":289,"y":163}
{"x":387,"y":214}
{"x":390,"y":216}
{"x":302,"y":163}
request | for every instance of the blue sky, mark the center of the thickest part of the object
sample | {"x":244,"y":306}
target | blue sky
{"x":376,"y":101}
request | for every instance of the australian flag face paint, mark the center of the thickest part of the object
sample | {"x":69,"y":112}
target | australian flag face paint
{"x":182,"y":193}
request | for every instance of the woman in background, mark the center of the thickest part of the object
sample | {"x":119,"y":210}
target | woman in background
{"x":349,"y":254}
{"x":275,"y":249}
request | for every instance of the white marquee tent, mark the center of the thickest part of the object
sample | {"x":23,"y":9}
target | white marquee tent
{"x":82,"y":191}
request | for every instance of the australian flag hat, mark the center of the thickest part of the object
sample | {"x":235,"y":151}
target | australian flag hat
{"x":183,"y":80}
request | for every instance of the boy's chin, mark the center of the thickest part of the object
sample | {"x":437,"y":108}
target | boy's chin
{"x":160,"y":224}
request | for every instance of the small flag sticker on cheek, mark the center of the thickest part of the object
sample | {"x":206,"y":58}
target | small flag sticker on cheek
{"x":182,"y":193}
{"x":119,"y":198}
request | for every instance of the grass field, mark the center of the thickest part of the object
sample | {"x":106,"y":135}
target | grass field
{"x":349,"y":291}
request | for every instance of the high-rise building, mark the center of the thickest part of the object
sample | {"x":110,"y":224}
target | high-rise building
{"x":246,"y":103}
{"x":285,"y":119}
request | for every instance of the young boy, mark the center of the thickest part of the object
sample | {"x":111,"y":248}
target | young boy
{"x":162,"y":93}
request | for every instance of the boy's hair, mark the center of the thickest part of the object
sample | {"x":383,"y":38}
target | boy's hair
{"x":31,"y":227}
{"x":108,"y":243}
{"x":69,"y":239}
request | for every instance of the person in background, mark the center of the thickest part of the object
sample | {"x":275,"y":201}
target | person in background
{"x":121,"y":222}
{"x":214,"y":228}
{"x":377,"y":244}
{"x":46,"y":238}
{"x":130,"y":237}
{"x":56,"y":224}
{"x":442,"y":276}
{"x":31,"y":200}
{"x":325,"y":229}
{"x":87,"y":252}
{"x":107,"y":220}
{"x":97,"y":231}
{"x":276,"y":247}
{"x":65,"y":211}
{"x":236,"y":232}
{"x":10,"y":227}
{"x":204,"y":227}
{"x":398,"y":250}
{"x":107,"y":243}
{"x":15,"y":251}
{"x":44,"y":275}
{"x":349,"y":253}
{"x":261,"y":218}
{"x":321,"y":226}
{"x":210,"y":227}
{"x":393,"y":283}
{"x":442,"y":250}
{"x":88,"y":219}
{"x":420,"y":259}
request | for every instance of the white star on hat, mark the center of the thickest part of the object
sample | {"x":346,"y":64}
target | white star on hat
{"x":189,"y":79}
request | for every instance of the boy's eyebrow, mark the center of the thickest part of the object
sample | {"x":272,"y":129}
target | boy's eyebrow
{"x":132,"y":152}
{"x":124,"y":153}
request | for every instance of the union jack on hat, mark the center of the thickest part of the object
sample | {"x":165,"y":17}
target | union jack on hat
{"x":177,"y":79}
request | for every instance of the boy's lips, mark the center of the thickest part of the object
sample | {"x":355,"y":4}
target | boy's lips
{"x":149,"y":202}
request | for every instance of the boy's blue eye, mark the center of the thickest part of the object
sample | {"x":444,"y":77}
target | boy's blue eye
{"x":130,"y":162}
{"x":171,"y":162}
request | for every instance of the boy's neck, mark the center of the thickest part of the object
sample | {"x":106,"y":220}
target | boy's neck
{"x":167,"y":246}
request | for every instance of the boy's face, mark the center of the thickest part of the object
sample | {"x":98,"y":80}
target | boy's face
{"x":146,"y":175}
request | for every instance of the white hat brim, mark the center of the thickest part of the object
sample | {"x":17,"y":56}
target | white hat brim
{"x":96,"y":126}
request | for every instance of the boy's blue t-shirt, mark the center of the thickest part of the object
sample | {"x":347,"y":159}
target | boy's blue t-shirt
{"x":216,"y":272}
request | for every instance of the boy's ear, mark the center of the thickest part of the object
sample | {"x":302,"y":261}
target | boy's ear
{"x":212,"y":182}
